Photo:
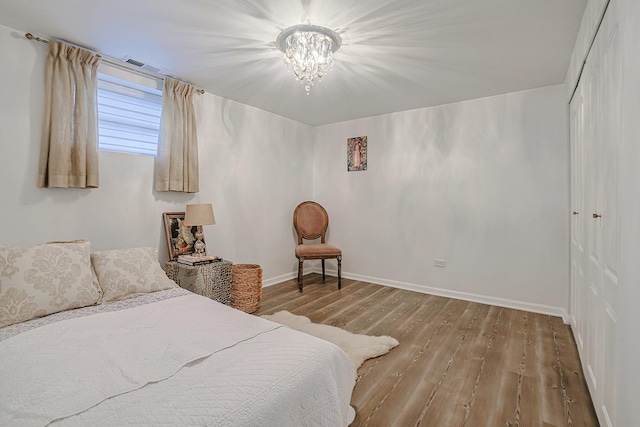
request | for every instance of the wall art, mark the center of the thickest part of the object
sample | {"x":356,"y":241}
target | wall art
{"x":357,"y":154}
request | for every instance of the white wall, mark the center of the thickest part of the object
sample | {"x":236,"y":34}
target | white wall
{"x":254,"y":168}
{"x":482,"y":184}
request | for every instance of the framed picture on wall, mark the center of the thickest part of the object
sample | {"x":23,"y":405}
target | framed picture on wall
{"x":357,"y":154}
{"x":180,"y":238}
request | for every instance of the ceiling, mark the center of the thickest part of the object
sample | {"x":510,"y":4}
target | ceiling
{"x":396,"y":54}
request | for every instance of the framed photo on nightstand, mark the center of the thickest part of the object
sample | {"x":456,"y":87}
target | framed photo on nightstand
{"x":180,"y":238}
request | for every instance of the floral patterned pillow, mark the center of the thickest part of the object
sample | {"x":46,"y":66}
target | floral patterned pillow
{"x":125,"y":273}
{"x":45,"y":279}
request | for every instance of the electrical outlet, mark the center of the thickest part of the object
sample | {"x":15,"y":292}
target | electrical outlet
{"x":440,"y":263}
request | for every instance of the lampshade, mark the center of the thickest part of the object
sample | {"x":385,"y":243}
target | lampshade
{"x":200,"y":214}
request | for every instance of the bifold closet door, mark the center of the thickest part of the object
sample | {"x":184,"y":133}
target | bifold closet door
{"x":595,"y":235}
{"x":606,"y":216}
{"x":577,"y":257}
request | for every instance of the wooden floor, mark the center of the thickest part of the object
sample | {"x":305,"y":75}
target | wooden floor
{"x":458,"y":363}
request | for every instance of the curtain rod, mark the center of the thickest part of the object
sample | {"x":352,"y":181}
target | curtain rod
{"x":114,"y":62}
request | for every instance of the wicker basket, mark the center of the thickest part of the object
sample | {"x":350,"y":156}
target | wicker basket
{"x":246,"y":287}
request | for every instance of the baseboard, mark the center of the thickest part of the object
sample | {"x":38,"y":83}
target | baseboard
{"x":288,"y":276}
{"x":465,"y":296}
{"x":280,"y":279}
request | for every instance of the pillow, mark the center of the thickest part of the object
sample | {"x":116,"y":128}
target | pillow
{"x":45,"y":279}
{"x":125,"y":273}
{"x":93,"y":273}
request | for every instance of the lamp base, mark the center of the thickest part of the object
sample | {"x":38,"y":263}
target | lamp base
{"x":199,"y":247}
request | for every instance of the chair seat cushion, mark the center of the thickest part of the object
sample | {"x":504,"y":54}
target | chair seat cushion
{"x":317,"y":250}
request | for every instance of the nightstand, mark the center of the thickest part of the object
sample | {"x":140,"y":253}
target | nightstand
{"x":211,"y":280}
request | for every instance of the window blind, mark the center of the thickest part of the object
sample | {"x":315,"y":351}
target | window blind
{"x":128,"y":116}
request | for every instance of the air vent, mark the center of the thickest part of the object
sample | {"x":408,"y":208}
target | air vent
{"x":143,"y":65}
{"x":134,"y":62}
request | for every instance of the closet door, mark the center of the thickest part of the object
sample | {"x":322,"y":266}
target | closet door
{"x":595,"y":143}
{"x":593,"y":207}
{"x":578,"y":284}
{"x":606,"y":218}
{"x":585,"y":236}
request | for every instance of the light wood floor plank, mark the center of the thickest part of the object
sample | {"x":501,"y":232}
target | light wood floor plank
{"x":458,"y":363}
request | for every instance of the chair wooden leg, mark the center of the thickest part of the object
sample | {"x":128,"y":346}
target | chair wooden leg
{"x":323,"y":270}
{"x":300,"y":274}
{"x":339,"y":272}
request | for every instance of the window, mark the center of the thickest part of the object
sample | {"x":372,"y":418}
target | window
{"x":128,"y":116}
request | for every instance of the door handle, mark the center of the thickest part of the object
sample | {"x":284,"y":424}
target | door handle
{"x":595,"y":215}
{"x":575,"y":213}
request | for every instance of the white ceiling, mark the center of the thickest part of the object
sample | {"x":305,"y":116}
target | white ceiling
{"x":396,"y":55}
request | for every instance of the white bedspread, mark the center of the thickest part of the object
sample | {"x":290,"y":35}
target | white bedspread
{"x":182,"y":361}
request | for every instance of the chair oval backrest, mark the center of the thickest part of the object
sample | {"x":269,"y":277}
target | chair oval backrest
{"x":310,"y":220}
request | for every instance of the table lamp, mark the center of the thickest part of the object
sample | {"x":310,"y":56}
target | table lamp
{"x":199,"y":215}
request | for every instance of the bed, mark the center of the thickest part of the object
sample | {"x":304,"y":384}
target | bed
{"x":154,"y":356}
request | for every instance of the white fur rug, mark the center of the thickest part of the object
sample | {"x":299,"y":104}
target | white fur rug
{"x":358,"y":347}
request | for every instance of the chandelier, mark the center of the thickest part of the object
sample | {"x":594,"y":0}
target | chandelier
{"x":308,"y":51}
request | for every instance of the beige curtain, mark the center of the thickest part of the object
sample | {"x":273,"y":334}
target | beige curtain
{"x":69,"y":146}
{"x":177,"y":159}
